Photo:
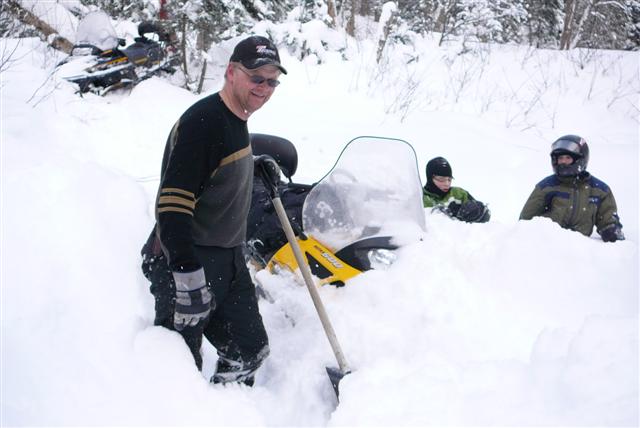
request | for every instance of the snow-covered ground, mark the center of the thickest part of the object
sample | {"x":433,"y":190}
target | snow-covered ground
{"x":504,"y":323}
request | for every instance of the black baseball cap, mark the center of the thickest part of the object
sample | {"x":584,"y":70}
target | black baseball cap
{"x":256,"y":51}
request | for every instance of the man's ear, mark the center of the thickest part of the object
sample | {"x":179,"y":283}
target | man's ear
{"x":229,"y":71}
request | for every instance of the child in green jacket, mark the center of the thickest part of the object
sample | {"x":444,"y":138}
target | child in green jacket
{"x":453,"y":201}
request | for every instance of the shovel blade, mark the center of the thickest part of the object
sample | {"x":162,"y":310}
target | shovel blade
{"x":335,"y":376}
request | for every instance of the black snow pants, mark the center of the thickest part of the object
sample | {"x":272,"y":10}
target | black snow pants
{"x":234,"y":328}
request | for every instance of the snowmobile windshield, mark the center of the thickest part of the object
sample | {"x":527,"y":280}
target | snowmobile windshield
{"x":373,"y":190}
{"x":96,"y":29}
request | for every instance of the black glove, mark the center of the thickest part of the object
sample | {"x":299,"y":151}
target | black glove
{"x":612,"y":234}
{"x":267,"y":168}
{"x":473,"y":212}
{"x":193,"y":299}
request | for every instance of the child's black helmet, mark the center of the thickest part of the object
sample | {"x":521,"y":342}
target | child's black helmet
{"x":438,"y":166}
{"x":574,"y":146}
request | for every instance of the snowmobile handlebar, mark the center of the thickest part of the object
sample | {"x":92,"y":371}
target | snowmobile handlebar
{"x":94,"y":49}
{"x":269,"y":172}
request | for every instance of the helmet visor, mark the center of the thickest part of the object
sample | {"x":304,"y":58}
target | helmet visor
{"x":566,"y":145}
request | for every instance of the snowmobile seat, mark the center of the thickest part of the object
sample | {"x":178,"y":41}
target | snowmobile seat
{"x":281,"y":149}
{"x":143,"y":51}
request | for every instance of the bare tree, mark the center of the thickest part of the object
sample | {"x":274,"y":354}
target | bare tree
{"x":387,"y":23}
{"x":351,"y":10}
{"x":331,"y":11}
{"x":596,"y":23}
{"x":543,"y":22}
{"x":7,"y":56}
{"x":9,"y":28}
{"x":447,"y":22}
{"x":574,"y":20}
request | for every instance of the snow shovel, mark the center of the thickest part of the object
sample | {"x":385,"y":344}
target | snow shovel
{"x":335,"y":373}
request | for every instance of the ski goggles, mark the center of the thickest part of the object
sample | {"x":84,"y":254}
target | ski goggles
{"x":259,"y":80}
{"x":441,"y":179}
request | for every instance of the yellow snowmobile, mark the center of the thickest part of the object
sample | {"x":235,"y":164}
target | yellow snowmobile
{"x":352,"y":220}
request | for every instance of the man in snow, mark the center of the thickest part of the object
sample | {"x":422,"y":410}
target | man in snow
{"x":454,"y":201}
{"x":194,"y":257}
{"x":572,"y":197}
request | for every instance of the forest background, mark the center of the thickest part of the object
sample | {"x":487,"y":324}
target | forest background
{"x":200,"y":24}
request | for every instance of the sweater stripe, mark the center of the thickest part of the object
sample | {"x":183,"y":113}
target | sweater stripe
{"x":163,"y":200}
{"x":176,"y":190}
{"x":232,"y":158}
{"x":173,"y":199}
{"x":175,"y":210}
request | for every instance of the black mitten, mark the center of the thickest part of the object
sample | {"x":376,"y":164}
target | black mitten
{"x":473,"y":212}
{"x":452,"y":209}
{"x":612,"y":234}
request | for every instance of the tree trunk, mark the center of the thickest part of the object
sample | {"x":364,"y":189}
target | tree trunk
{"x":445,"y":14}
{"x":331,"y":10}
{"x":384,"y":36}
{"x":351,"y":23}
{"x":202,"y":73}
{"x":28,"y":18}
{"x":577,"y":32}
{"x":183,"y":50}
{"x":567,"y":28}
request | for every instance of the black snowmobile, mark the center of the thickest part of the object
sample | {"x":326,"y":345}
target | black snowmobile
{"x":97,"y":63}
{"x":352,"y":220}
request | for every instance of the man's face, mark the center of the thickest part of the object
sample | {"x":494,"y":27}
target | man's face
{"x":442,"y":183}
{"x":565,"y":160}
{"x":249,"y":94}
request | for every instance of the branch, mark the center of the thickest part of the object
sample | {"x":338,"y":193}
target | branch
{"x":6,"y":58}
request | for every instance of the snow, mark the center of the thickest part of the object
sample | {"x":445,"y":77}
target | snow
{"x":503,"y":323}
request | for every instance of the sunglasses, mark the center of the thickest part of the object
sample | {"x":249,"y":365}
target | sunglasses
{"x":259,"y":80}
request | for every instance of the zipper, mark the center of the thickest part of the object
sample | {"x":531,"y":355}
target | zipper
{"x":573,"y":217}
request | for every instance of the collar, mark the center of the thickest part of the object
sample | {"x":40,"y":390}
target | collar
{"x":430,"y":187}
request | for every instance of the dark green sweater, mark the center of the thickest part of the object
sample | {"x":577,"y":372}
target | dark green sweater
{"x":455,"y":194}
{"x":205,"y":184}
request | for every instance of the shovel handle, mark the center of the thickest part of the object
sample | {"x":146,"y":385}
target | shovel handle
{"x":306,"y":274}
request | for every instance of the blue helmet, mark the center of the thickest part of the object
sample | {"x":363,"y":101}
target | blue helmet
{"x":574,"y":146}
